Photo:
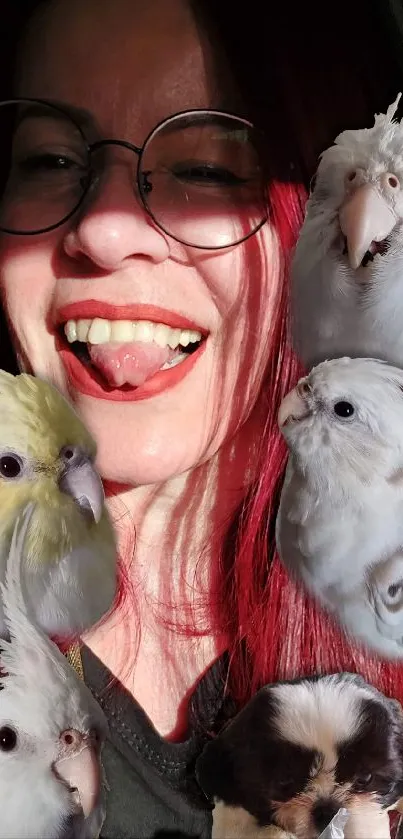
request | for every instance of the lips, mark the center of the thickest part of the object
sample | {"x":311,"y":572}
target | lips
{"x":96,"y":309}
{"x":88,"y":380}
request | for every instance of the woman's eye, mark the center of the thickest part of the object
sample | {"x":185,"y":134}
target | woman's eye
{"x":343,"y":409}
{"x":207,"y":175}
{"x":35,"y":164}
{"x":10,"y":466}
{"x":8,"y":738}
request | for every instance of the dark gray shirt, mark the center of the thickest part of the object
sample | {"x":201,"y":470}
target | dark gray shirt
{"x":153,"y":792}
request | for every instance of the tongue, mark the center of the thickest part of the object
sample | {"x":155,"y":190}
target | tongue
{"x":129,"y":364}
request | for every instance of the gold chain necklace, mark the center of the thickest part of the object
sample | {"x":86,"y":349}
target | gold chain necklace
{"x":73,"y":656}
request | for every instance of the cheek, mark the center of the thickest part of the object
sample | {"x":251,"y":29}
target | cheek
{"x":245,"y":285}
{"x":27,"y":286}
{"x":26,"y":280}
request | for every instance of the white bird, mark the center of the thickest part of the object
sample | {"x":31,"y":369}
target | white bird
{"x":340,"y":522}
{"x":51,"y":728}
{"x":347,"y":272}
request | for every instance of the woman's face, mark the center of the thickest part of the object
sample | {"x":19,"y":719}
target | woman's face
{"x":128,"y":65}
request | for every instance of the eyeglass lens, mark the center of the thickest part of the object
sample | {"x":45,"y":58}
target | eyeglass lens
{"x":198,"y":174}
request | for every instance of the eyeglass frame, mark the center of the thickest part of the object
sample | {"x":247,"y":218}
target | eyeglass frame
{"x":139,"y":151}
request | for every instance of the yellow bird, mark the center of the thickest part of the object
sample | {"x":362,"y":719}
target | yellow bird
{"x":47,"y":457}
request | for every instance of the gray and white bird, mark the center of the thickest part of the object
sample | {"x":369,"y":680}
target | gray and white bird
{"x":347,"y":272}
{"x":340,"y":522}
{"x":51,"y":727}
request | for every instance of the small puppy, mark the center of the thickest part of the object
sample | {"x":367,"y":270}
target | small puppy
{"x":298,"y":752}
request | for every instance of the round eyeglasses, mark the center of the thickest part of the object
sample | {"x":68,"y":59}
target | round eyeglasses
{"x":198,"y":174}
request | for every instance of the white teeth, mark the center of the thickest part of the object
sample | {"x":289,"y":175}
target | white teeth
{"x":162,"y":335}
{"x":99,"y":332}
{"x":185,"y":337}
{"x":82,"y":329}
{"x":143,"y":331}
{"x":121,"y":330}
{"x":71,"y":331}
{"x":102,"y":331}
{"x":174,"y":338}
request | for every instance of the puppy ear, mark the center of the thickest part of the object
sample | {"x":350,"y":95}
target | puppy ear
{"x":215,"y":770}
{"x":240,"y":751}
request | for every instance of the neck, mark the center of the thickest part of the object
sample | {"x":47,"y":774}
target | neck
{"x":179,"y":530}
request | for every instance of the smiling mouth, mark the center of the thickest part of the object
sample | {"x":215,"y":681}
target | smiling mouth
{"x":127,"y":355}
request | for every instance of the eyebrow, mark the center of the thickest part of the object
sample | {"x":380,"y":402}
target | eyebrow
{"x":62,"y":111}
{"x":86,"y":121}
{"x":91,"y":130}
{"x":81,"y":115}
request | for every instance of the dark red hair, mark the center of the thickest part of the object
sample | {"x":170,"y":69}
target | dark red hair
{"x":305,"y":71}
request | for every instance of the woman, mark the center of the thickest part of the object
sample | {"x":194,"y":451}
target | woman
{"x":190,"y":454}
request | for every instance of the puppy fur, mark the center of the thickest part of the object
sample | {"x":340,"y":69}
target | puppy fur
{"x":301,"y":750}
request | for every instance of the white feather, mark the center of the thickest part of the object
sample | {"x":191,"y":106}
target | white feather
{"x":40,"y":697}
{"x":340,"y":522}
{"x":336,"y":310}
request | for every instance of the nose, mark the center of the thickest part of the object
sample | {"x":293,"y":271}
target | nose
{"x":112,"y":225}
{"x":323,"y":813}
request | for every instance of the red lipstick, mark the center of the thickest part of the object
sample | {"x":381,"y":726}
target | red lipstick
{"x":89,"y":309}
{"x":87,"y":380}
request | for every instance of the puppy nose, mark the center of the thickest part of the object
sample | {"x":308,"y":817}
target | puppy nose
{"x":323,"y":813}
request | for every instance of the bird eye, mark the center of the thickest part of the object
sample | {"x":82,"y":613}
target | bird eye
{"x":395,"y":589}
{"x":343,"y":409}
{"x":8,"y":739}
{"x":10,"y":466}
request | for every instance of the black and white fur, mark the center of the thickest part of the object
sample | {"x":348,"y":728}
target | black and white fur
{"x":299,"y":751}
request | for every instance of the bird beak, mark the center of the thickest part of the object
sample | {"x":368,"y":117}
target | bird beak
{"x":81,"y":481}
{"x":365,"y":217}
{"x":293,"y":407}
{"x":79,"y":768}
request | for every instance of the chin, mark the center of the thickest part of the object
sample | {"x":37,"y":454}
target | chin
{"x":144,"y":444}
{"x":298,"y":752}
